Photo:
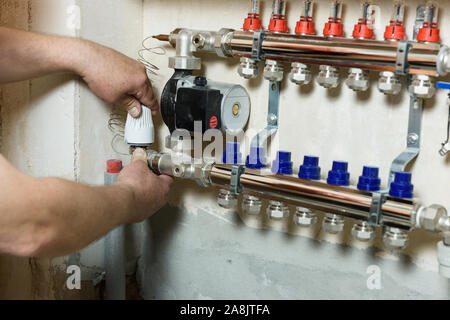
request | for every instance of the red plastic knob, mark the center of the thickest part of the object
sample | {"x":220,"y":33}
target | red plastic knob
{"x":113,"y":166}
{"x":252,"y":23}
{"x":305,"y":27}
{"x":333,"y":29}
{"x":278,"y":24}
{"x":429,"y":34}
{"x":395,"y":32}
{"x":363,"y":31}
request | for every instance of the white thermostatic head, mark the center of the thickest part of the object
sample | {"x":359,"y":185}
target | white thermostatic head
{"x":140,"y":131}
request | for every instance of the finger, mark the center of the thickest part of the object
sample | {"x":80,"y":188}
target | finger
{"x":133,"y":106}
{"x":139,"y":155}
{"x":166,"y":179}
{"x":145,"y":94}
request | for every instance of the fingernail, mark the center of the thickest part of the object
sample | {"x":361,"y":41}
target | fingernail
{"x":134,"y":112}
{"x":139,"y":153}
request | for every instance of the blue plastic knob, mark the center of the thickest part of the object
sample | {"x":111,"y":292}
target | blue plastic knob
{"x":370,"y":181}
{"x":310,"y":169}
{"x":401,"y":187}
{"x":256,"y":159}
{"x":283,"y":163}
{"x":339,"y":175}
{"x":231,"y":155}
{"x":443,"y":85}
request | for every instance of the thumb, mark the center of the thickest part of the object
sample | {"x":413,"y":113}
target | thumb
{"x":139,"y":155}
{"x":134,"y":107}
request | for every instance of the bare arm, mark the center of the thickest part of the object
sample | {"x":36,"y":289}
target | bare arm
{"x":54,"y":217}
{"x":112,"y":76}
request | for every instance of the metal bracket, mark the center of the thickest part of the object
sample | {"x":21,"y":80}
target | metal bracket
{"x":376,"y":209}
{"x":402,"y":65}
{"x":235,"y":184}
{"x":258,"y":38}
{"x":272,"y":116}
{"x":413,"y":139}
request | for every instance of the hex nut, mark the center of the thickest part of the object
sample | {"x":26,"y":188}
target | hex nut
{"x":358,"y":80}
{"x":251,"y":205}
{"x":304,"y":217}
{"x":328,"y":77}
{"x":363,"y":232}
{"x":395,"y":238}
{"x":277,"y":210}
{"x":422,"y":87}
{"x":248,"y":68}
{"x":429,"y":217}
{"x":300,"y":74}
{"x":227,"y":200}
{"x":273,"y":70}
{"x":333,"y":224}
{"x":389,"y":83}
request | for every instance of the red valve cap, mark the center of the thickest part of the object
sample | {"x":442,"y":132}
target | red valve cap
{"x":363,"y":31}
{"x":113,"y":166}
{"x":395,"y":33}
{"x":252,"y":23}
{"x":429,"y":34}
{"x":333,"y":29}
{"x":305,"y":27}
{"x":279,"y":25}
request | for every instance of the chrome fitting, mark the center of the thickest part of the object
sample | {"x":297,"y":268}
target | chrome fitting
{"x":389,"y":83}
{"x":422,"y":86}
{"x":251,"y":205}
{"x":363,"y":232}
{"x":358,"y":80}
{"x":304,"y":217}
{"x":274,"y":70}
{"x":300,"y":74}
{"x":277,"y":210}
{"x":332,"y":223}
{"x":328,"y":77}
{"x":430,"y":218}
{"x":227,"y":200}
{"x":248,"y":68}
{"x":395,"y":238}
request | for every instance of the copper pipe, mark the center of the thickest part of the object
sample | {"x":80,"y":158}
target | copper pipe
{"x":341,"y":52}
{"x":316,"y":195}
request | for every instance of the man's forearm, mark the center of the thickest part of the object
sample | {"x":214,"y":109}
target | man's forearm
{"x":54,"y":217}
{"x":25,"y":55}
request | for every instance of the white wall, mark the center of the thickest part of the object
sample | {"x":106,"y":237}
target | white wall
{"x":364,"y":129}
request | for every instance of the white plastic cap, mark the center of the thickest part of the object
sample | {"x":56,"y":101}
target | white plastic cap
{"x":140,"y":131}
{"x":444,"y":259}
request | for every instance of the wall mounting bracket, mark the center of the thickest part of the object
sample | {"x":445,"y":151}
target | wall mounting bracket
{"x":413,"y":138}
{"x":272,"y":116}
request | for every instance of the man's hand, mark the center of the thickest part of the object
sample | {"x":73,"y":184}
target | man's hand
{"x":149,"y":191}
{"x":116,"y":79}
{"x":112,"y":76}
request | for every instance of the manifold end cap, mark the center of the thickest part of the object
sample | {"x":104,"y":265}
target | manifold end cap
{"x":140,"y":131}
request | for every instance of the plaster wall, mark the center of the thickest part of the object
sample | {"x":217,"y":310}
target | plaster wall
{"x":201,"y":251}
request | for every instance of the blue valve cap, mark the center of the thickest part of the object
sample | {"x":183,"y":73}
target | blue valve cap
{"x":370,"y":181}
{"x":339,"y":175}
{"x":283,"y":163}
{"x":256,"y":159}
{"x":401,"y":187}
{"x":443,"y":85}
{"x":310,"y":169}
{"x":231,"y":155}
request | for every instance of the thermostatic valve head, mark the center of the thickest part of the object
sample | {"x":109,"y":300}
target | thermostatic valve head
{"x":140,"y":132}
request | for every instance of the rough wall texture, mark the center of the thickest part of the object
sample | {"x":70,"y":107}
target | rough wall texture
{"x":202,"y":251}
